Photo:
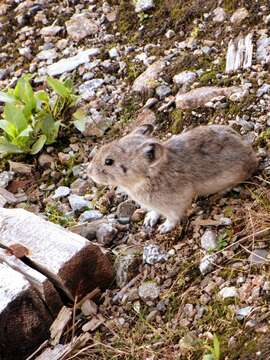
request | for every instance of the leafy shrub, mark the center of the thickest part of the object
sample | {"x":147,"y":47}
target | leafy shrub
{"x":32,"y":119}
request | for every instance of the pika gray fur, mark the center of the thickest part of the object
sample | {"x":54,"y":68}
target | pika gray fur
{"x":165,"y":177}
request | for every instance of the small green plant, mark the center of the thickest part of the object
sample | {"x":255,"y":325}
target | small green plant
{"x":215,"y":353}
{"x":32,"y":119}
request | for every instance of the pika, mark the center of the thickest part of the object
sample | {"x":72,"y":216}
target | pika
{"x":165,"y":177}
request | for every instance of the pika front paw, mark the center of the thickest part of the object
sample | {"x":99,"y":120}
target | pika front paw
{"x":151,"y":219}
{"x":167,"y":226}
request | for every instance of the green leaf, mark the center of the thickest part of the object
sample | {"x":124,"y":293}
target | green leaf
{"x":59,"y":87}
{"x":26,"y":132}
{"x":13,"y":113}
{"x":6,"y":98}
{"x":8,"y":128}
{"x":216,"y":347}
{"x":38,"y":145}
{"x":7,"y":148}
{"x":208,"y":357}
{"x":25,"y":93}
{"x":49,"y":127}
{"x":81,"y":119}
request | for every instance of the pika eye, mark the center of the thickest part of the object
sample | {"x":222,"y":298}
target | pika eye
{"x":109,"y":162}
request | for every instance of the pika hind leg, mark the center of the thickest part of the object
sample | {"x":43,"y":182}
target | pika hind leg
{"x":151,"y":218}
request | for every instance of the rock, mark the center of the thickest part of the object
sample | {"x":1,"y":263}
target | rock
{"x":26,"y":52}
{"x":125,"y":210}
{"x":259,"y":257}
{"x":144,"y":5}
{"x":89,"y":308}
{"x":184,"y":78}
{"x":239,"y":15}
{"x":20,"y":168}
{"x":152,"y":315}
{"x":77,"y":202}
{"x":5,"y":178}
{"x":46,"y":161}
{"x":71,"y":63}
{"x":224,"y":221}
{"x":106,"y":233}
{"x":79,"y":26}
{"x":113,"y":53}
{"x":170,"y":34}
{"x":207,"y":264}
{"x":148,"y":291}
{"x":49,"y":54}
{"x":79,"y":186}
{"x":264,"y":89}
{"x":87,"y":89}
{"x":148,"y":79}
{"x":51,"y":30}
{"x":228,"y":292}
{"x":243,"y":312}
{"x":90,"y":215}
{"x":219,"y":15}
{"x":239,"y":53}
{"x":92,"y":325}
{"x":127,"y":265}
{"x":91,"y":122}
{"x":263,"y":49}
{"x":60,"y":192}
{"x":162,"y":91}
{"x":199,"y":97}
{"x":152,"y":254}
{"x":209,"y":240}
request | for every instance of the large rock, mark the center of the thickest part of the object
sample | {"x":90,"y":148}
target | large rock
{"x":199,"y":97}
{"x":239,"y":15}
{"x":79,"y":26}
{"x":144,"y":5}
{"x":263,"y":49}
{"x":148,"y":79}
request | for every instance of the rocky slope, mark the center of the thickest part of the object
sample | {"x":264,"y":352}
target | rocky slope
{"x":151,"y":61}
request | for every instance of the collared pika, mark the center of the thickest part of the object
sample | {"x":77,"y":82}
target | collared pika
{"x":165,"y":177}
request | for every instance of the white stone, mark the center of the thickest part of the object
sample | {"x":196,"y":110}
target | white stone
{"x":148,"y":79}
{"x":219,"y":15}
{"x":228,"y":292}
{"x":113,"y":53}
{"x":87,"y":89}
{"x":243,"y":312}
{"x":239,"y":15}
{"x":263,"y":49}
{"x":239,"y":53}
{"x":79,"y":26}
{"x":50,"y":30}
{"x":207,"y":264}
{"x":144,"y":5}
{"x":77,"y":202}
{"x":148,"y":291}
{"x":209,"y":240}
{"x":69,"y":64}
{"x":185,"y":77}
{"x":60,"y":192}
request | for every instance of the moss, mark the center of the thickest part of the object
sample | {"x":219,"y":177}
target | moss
{"x":177,"y":118}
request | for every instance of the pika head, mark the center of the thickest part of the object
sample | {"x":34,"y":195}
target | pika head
{"x":128,"y":160}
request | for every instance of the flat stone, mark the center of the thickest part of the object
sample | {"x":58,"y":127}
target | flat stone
{"x":50,"y":30}
{"x":162,"y":91}
{"x":263,"y":49}
{"x":106,"y":233}
{"x":87,"y":89}
{"x":264,"y":89}
{"x":5,"y":178}
{"x":90,"y":215}
{"x":209,"y":240}
{"x":152,"y":254}
{"x":49,"y":54}
{"x":207,"y":264}
{"x":259,"y":257}
{"x":79,"y":26}
{"x":71,"y":63}
{"x":239,"y":15}
{"x":60,"y":192}
{"x":148,"y":290}
{"x":185,"y":77}
{"x":77,"y":202}
{"x":219,"y":15}
{"x":127,"y":265}
{"x":148,"y":79}
{"x":199,"y":97}
{"x":243,"y":312}
{"x":79,"y":186}
{"x":144,"y":5}
{"x":228,"y":292}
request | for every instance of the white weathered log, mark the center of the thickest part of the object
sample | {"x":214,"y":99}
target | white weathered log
{"x":239,"y":53}
{"x":70,"y":261}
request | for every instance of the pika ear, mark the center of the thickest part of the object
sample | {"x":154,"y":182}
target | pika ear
{"x":153,"y":151}
{"x":145,"y":129}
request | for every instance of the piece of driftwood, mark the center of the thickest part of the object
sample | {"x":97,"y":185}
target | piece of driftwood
{"x":24,"y":317}
{"x":42,"y":267}
{"x":239,"y":53}
{"x":72,"y":263}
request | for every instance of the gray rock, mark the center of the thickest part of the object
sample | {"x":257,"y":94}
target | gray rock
{"x":144,"y":5}
{"x":77,"y":202}
{"x":209,"y":240}
{"x":106,"y":233}
{"x":60,"y":192}
{"x":170,"y":34}
{"x":184,"y":78}
{"x":26,"y":52}
{"x":113,"y":53}
{"x":90,"y":215}
{"x":46,"y":161}
{"x":162,"y":91}
{"x":152,"y":254}
{"x":49,"y":54}
{"x":71,"y":63}
{"x":225,"y":221}
{"x":219,"y":15}
{"x":125,"y":210}
{"x":149,"y":290}
{"x":91,"y":122}
{"x":239,"y":15}
{"x":148,"y":79}
{"x":87,"y":89}
{"x":127,"y":265}
{"x":199,"y":97}
{"x":228,"y":292}
{"x":5,"y":178}
{"x":207,"y":264}
{"x":243,"y":312}
{"x":259,"y":257}
{"x":51,"y":30}
{"x":263,"y":49}
{"x":264,"y":89}
{"x":79,"y":26}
